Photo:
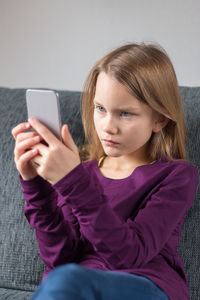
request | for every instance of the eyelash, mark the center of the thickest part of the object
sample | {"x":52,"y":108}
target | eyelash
{"x":98,"y":106}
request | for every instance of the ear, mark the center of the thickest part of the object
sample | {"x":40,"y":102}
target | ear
{"x":160,"y":122}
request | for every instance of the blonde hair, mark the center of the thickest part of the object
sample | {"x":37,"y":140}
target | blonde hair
{"x":148,"y":74}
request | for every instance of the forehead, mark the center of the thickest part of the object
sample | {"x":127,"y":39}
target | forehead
{"x":111,"y":93}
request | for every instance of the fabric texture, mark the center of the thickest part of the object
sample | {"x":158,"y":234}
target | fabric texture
{"x":12,"y":294}
{"x":131,"y":224}
{"x":76,"y":282}
{"x":20,"y":265}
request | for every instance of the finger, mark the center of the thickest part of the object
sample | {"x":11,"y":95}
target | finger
{"x":25,"y":145}
{"x":20,"y":128}
{"x":38,"y":159}
{"x":42,"y":149}
{"x":67,"y":138}
{"x":26,"y":157}
{"x":26,"y":135}
{"x":43,"y":131}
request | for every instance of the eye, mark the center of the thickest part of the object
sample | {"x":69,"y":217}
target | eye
{"x":126,"y":114}
{"x":99,"y":108}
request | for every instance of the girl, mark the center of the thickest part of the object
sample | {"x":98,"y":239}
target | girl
{"x":112,"y":213}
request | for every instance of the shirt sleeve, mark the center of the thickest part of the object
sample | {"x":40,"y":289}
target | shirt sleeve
{"x":132,"y":243}
{"x":57,"y":234}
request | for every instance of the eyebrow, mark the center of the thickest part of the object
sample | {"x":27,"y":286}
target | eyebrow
{"x":120,"y":109}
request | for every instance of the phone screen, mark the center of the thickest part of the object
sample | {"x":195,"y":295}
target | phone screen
{"x":44,"y":106}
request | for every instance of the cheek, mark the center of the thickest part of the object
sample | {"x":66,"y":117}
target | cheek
{"x":140,"y":132}
{"x":95,"y":120}
{"x":96,"y":123}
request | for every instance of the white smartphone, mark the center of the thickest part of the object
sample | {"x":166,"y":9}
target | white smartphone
{"x":44,"y":106}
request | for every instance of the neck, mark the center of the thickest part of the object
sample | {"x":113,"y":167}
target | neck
{"x":122,"y":162}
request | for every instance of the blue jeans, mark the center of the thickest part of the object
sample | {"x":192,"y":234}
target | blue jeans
{"x":75,"y":282}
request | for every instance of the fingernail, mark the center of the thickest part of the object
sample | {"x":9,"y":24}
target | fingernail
{"x":32,"y":119}
{"x":27,"y":125}
{"x":37,"y":138}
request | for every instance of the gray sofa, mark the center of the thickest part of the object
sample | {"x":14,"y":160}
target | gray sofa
{"x":20,"y":265}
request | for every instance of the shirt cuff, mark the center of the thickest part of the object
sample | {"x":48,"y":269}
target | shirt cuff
{"x":35,"y":184}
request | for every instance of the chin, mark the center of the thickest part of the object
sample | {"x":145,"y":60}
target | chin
{"x":112,"y":153}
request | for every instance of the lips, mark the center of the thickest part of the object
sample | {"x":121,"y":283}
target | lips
{"x":110,"y":142}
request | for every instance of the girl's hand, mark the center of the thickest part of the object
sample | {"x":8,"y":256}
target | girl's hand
{"x":23,"y":151}
{"x":56,"y":159}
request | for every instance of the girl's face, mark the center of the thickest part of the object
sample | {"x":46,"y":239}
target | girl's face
{"x":121,"y":118}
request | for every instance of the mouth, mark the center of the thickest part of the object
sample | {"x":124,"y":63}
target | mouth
{"x":110,"y":143}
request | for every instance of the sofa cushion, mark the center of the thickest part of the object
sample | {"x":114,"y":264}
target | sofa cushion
{"x":11,"y":294}
{"x":20,"y":265}
{"x":190,"y":240}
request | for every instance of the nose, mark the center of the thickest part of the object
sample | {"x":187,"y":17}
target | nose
{"x":110,"y":126}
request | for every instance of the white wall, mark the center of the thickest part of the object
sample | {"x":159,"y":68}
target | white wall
{"x":54,"y":43}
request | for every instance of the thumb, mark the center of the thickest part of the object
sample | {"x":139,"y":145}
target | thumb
{"x":67,"y":138}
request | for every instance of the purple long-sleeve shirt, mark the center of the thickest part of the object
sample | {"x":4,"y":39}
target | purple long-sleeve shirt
{"x":131,"y":225}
